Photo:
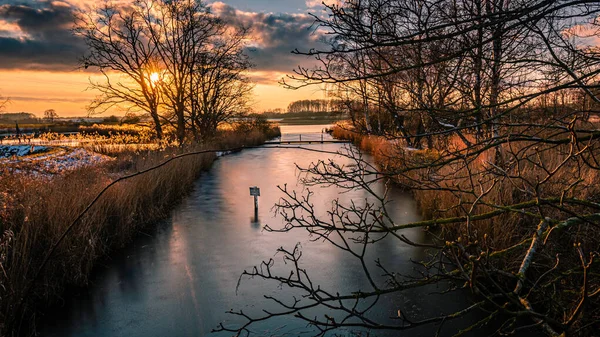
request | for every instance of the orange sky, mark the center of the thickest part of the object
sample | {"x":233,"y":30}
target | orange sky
{"x":35,"y":34}
{"x":68,"y":94}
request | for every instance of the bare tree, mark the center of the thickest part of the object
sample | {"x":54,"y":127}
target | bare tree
{"x":172,"y":59}
{"x":50,"y":115}
{"x":508,"y":181}
{"x":220,"y":88}
{"x":181,"y":30}
{"x":314,"y":105}
{"x":121,"y":48}
{"x":3,"y":103}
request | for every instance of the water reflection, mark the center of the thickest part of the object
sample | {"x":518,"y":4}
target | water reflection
{"x":181,"y":279}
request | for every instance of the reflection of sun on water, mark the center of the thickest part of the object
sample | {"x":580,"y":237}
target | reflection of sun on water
{"x":154,"y":77}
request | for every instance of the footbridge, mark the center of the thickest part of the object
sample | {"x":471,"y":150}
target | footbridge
{"x":307,"y":139}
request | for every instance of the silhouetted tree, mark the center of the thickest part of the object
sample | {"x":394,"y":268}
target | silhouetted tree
{"x":122,"y":49}
{"x":3,"y":103}
{"x":50,"y":115}
{"x":181,"y":31}
{"x":220,"y":87}
{"x":314,"y":106}
{"x":130,"y":118}
{"x":177,"y":62}
{"x":508,"y":178}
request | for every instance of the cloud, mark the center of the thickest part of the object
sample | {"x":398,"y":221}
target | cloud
{"x":36,"y":35}
{"x":319,"y":3}
{"x":266,"y":77}
{"x":9,"y":29}
{"x":274,"y":36}
{"x":40,"y":37}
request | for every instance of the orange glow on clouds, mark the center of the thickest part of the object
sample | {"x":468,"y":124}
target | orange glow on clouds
{"x":67,"y":91}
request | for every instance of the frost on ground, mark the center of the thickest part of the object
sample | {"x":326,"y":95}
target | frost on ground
{"x":60,"y":161}
{"x":8,"y":151}
{"x":73,"y":160}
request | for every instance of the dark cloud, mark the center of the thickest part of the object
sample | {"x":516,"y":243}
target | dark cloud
{"x":44,"y":40}
{"x":274,"y":36}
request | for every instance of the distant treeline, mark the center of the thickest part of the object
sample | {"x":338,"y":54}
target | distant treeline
{"x":308,"y":107}
{"x":29,"y":118}
{"x":315,"y":105}
{"x":18,"y":117}
{"x":29,"y":123}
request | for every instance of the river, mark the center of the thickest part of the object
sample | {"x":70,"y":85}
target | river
{"x":180,"y":279}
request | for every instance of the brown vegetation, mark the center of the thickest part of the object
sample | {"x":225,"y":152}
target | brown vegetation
{"x":486,"y":106}
{"x":441,"y":193}
{"x":35,"y":213}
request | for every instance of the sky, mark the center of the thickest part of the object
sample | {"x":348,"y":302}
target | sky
{"x":39,"y":55}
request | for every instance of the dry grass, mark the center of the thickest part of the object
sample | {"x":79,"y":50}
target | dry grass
{"x":451,"y":190}
{"x":35,"y":213}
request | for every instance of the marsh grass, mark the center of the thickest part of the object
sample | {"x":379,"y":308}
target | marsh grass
{"x":434,"y":201}
{"x":435,"y":191}
{"x":36,"y":212}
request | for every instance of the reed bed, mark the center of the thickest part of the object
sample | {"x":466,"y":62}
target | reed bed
{"x":435,"y":202}
{"x":35,"y":213}
{"x":435,"y":191}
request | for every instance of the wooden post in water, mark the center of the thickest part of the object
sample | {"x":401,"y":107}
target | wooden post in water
{"x":255,"y":192}
{"x":300,"y":137}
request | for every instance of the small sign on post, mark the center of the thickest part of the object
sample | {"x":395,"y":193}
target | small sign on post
{"x":255,"y":192}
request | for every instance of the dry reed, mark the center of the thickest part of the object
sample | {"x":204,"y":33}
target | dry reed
{"x":35,"y":212}
{"x":435,"y":191}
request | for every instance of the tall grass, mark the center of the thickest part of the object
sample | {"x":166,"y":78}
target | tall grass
{"x":35,"y":213}
{"x":435,"y":189}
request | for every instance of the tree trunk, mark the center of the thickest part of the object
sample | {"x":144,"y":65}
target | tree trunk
{"x":180,"y":124}
{"x":478,"y":69}
{"x":497,"y":40}
{"x":157,"y":126}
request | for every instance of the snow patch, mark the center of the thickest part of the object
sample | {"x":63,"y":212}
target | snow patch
{"x":75,"y":159}
{"x":223,"y":153}
{"x":53,"y":163}
{"x":7,"y":151}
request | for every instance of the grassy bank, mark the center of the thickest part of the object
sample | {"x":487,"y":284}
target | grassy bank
{"x":501,"y":221}
{"x":36,"y":212}
{"x":438,"y":198}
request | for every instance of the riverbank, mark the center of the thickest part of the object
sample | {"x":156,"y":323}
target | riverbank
{"x":35,"y":213}
{"x":484,"y":221}
{"x":182,"y":278}
{"x":390,"y":156}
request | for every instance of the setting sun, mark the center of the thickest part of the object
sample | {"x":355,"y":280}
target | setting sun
{"x":154,"y":77}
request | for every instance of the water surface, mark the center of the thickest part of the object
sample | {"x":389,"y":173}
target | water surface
{"x":181,"y":279}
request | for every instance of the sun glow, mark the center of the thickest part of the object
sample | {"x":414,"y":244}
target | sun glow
{"x":154,"y":77}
